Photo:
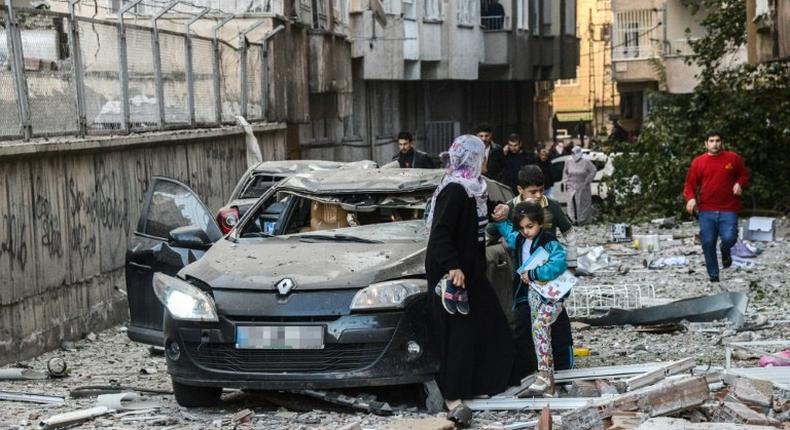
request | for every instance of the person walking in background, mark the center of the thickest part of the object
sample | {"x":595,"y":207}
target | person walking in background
{"x":494,"y":163}
{"x":714,"y":185}
{"x":408,"y":157}
{"x":515,"y":159}
{"x":545,"y":165}
{"x":579,"y":173}
{"x":476,"y":351}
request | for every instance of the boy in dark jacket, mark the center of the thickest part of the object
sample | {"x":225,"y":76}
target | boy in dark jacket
{"x":532,"y":309}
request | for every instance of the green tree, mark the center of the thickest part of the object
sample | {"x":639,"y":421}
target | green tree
{"x":749,"y":104}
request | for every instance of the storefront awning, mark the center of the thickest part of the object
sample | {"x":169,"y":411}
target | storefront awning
{"x":574,"y":116}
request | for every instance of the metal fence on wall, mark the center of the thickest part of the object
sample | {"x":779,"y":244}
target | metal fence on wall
{"x":63,"y":74}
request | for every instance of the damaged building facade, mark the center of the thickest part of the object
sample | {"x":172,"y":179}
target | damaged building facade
{"x":437,"y":68}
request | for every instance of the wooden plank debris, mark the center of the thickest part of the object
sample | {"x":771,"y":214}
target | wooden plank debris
{"x":669,"y":396}
{"x":653,"y":376}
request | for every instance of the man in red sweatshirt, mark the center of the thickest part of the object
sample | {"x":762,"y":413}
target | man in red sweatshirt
{"x":714,"y":184}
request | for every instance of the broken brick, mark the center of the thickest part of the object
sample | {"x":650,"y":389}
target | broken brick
{"x":734,"y":412}
{"x":754,"y":392}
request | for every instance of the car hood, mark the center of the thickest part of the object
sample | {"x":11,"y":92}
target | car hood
{"x":258,"y":264}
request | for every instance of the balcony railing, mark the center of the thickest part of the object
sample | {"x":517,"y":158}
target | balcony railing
{"x":495,"y":23}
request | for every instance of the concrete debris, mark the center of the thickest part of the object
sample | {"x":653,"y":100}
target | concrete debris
{"x":626,"y":420}
{"x":372,"y":406}
{"x":679,"y":424}
{"x":733,"y":412}
{"x":432,"y":423}
{"x":650,"y":378}
{"x":662,"y":399}
{"x":243,"y":416}
{"x":754,"y":392}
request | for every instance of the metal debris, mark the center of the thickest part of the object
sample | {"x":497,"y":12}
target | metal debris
{"x":31,"y":398}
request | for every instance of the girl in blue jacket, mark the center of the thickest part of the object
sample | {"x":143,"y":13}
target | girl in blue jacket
{"x":528,"y":217}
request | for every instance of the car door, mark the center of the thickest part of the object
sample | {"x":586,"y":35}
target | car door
{"x":168,"y":205}
{"x":499,"y":267}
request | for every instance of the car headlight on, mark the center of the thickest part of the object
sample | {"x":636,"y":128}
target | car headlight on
{"x":183,"y":300}
{"x":388,"y":295}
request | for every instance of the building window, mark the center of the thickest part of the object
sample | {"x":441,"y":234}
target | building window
{"x":433,"y":9}
{"x":546,"y":12}
{"x":570,"y":17}
{"x":635,"y":35}
{"x":467,"y":12}
{"x":534,"y":10}
{"x":631,"y":105}
{"x":570,"y":82}
{"x":522,"y":14}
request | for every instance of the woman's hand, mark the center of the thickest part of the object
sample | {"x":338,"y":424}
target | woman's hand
{"x":525,"y":277}
{"x":456,"y":276}
{"x":500,"y":212}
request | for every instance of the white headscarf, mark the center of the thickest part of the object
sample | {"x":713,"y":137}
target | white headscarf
{"x":465,"y":167}
{"x":577,"y":153}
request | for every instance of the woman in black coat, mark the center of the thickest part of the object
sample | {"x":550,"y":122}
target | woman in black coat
{"x":476,"y":351}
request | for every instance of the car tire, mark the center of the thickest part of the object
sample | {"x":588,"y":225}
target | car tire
{"x":194,"y":397}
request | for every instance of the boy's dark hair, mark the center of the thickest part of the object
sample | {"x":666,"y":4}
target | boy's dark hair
{"x":716,"y":133}
{"x":483,"y":127}
{"x":529,"y":210}
{"x":405,"y":135}
{"x":530,"y":175}
{"x":513,"y":137}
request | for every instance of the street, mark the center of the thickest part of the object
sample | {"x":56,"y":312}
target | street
{"x":109,"y":357}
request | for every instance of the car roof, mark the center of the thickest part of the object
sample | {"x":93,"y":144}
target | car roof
{"x":363,"y":180}
{"x":292,"y":167}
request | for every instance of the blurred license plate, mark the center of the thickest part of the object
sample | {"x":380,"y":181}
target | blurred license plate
{"x":280,"y":337}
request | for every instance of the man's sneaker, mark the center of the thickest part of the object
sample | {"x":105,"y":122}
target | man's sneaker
{"x":448,"y":292}
{"x":726,"y":260}
{"x":462,"y":301}
{"x":714,"y":279}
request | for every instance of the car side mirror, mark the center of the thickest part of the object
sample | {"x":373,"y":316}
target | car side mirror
{"x":191,"y":236}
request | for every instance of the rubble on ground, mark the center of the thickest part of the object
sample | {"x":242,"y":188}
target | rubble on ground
{"x":665,"y":376}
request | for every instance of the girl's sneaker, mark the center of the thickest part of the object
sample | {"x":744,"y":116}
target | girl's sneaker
{"x":462,"y":301}
{"x":448,"y":292}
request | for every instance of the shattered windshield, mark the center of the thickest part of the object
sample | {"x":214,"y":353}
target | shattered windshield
{"x":292,"y":213}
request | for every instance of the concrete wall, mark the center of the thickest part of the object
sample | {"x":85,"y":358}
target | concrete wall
{"x":67,"y":209}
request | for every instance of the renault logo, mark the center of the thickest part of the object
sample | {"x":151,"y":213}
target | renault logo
{"x":284,"y":286}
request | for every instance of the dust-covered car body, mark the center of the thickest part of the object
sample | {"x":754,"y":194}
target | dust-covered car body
{"x":264,"y":175}
{"x":290,"y":304}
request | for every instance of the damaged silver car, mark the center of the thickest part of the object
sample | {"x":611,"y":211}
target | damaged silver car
{"x":320,"y":285}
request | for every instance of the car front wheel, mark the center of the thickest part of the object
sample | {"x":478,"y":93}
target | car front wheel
{"x":193,"y":397}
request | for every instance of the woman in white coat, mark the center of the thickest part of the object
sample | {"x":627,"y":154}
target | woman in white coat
{"x":579,"y":173}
